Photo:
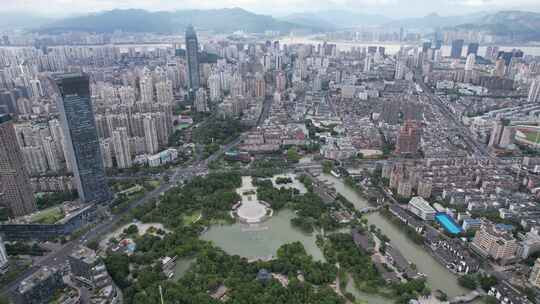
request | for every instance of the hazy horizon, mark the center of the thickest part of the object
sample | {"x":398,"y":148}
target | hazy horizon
{"x":395,"y":9}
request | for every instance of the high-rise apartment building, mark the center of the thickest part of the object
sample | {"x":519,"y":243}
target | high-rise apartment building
{"x":3,"y":257}
{"x":121,"y":148}
{"x":457,"y":48}
{"x":408,"y":140}
{"x":500,"y":68}
{"x":81,"y":138}
{"x":17,"y":195}
{"x":200,"y":101}
{"x":150,"y":134}
{"x":192,"y":55}
{"x":471,"y":61}
{"x":534,"y":277}
{"x":534,"y":91}
{"x":494,"y":242}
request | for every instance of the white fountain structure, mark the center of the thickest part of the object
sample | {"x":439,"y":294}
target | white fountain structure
{"x":250,"y":209}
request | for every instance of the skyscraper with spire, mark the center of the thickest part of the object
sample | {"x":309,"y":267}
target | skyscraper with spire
{"x":192,"y":55}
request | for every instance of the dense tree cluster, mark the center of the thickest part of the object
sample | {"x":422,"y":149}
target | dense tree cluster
{"x":217,"y":130}
{"x":311,"y":211}
{"x":213,"y":195}
{"x":341,"y":249}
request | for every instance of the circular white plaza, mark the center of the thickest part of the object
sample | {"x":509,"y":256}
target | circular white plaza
{"x":252,"y":211}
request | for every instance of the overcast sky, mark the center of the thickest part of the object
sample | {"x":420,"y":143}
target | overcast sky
{"x":391,"y":8}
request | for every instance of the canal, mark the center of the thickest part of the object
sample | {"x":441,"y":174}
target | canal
{"x":438,"y":277}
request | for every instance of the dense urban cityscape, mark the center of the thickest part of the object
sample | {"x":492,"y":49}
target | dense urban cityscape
{"x":242,"y":158}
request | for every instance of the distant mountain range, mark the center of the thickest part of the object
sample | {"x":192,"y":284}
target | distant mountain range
{"x":336,"y":19}
{"x":434,"y":21}
{"x":134,"y":20}
{"x":516,"y":25}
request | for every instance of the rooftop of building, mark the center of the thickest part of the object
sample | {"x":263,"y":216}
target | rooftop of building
{"x":421,"y":203}
{"x":39,"y":276}
{"x":85,"y":254}
{"x":5,"y":118}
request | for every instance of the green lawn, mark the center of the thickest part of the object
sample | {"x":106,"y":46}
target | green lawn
{"x":155,"y":183}
{"x":533,"y":137}
{"x":189,"y":219}
{"x":48,"y":216}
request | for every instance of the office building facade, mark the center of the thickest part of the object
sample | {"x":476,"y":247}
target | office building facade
{"x":75,"y":107}
{"x":15,"y":192}
{"x":192,"y":55}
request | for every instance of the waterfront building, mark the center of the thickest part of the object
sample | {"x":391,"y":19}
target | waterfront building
{"x":421,"y":208}
{"x":505,"y":293}
{"x":75,"y":107}
{"x":17,"y":194}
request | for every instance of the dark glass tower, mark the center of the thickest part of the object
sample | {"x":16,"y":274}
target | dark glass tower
{"x":457,"y":48}
{"x":472,"y":48}
{"x":192,"y":55}
{"x":79,"y":125}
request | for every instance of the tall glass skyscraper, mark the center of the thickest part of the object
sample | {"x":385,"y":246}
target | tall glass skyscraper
{"x":15,"y":192}
{"x":79,"y":125}
{"x":192,"y":55}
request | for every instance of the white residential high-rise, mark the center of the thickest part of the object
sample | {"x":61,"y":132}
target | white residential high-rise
{"x":200,"y":101}
{"x":3,"y":257}
{"x":401,"y":68}
{"x":106,"y":153}
{"x":49,"y":148}
{"x":534,"y":91}
{"x":164,"y":92}
{"x":147,"y":89}
{"x":121,"y":148}
{"x":367,"y":64}
{"x":150,"y":134}
{"x":471,"y":61}
{"x":214,"y":85}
